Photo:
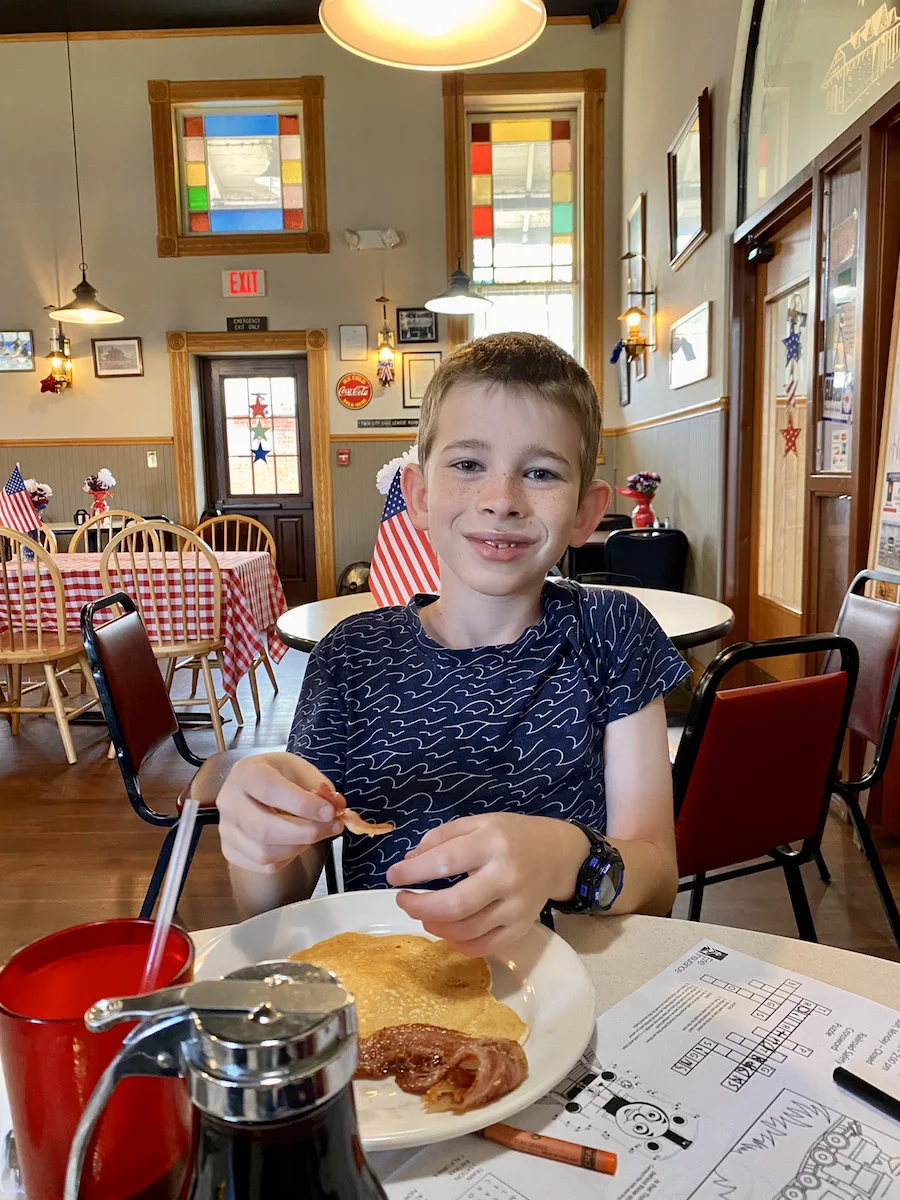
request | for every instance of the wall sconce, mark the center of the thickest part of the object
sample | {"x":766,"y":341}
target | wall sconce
{"x":639,"y":317}
{"x":60,"y":360}
{"x":386,"y":351}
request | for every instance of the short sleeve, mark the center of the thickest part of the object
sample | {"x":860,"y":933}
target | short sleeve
{"x":641,"y":662}
{"x":319,"y":729}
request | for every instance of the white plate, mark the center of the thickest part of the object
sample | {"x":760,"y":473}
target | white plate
{"x":542,"y":979}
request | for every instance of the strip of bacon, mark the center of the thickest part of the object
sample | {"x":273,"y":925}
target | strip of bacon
{"x":352,"y":820}
{"x":454,"y":1072}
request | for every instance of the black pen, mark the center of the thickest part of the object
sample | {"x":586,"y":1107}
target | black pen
{"x":863,"y":1089}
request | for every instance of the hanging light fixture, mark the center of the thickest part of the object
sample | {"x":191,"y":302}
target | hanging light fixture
{"x":85,"y":309}
{"x":386,"y":352}
{"x":434,"y":35}
{"x":459,"y":299}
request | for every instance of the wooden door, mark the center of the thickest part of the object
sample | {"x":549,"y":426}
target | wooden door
{"x":258,"y":456}
{"x":781,"y":431}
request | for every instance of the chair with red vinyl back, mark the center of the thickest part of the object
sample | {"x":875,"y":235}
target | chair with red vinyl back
{"x":874,"y":627}
{"x":756,"y":767}
{"x":141,"y":718}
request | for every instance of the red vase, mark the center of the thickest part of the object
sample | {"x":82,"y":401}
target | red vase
{"x":642,"y":515}
{"x":101,"y":503}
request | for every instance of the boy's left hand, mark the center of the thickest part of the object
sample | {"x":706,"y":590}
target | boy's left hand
{"x":514,"y":864}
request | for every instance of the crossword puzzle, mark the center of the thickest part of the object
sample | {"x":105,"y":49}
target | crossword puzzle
{"x":759,"y":1053}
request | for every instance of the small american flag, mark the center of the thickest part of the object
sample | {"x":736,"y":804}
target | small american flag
{"x":16,"y":508}
{"x":403,"y":561}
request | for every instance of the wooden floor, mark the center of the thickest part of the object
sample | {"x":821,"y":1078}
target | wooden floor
{"x":72,"y":850}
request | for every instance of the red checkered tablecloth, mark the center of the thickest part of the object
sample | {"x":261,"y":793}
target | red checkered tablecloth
{"x":252,"y":601}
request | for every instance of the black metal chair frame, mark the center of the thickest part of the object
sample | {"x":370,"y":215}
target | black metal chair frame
{"x":850,"y":790}
{"x":787,"y":859}
{"x":623,"y":536}
{"x":205,"y":816}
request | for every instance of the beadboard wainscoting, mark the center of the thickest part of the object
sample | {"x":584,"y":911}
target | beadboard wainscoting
{"x":65,"y":465}
{"x":687,"y":448}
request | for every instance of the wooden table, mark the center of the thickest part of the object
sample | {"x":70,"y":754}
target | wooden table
{"x":687,"y":619}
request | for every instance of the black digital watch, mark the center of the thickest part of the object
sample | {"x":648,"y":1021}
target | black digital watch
{"x":600,"y":877}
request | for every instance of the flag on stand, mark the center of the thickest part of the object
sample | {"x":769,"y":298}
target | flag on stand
{"x":403,"y":561}
{"x":17,"y":510}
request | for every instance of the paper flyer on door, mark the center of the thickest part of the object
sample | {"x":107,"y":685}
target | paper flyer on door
{"x":711,"y":1082}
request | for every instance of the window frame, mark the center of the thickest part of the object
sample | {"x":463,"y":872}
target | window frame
{"x":462,"y":92}
{"x":570,"y":110}
{"x":165,"y":96}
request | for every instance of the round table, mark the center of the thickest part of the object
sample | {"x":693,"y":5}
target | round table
{"x":687,"y":619}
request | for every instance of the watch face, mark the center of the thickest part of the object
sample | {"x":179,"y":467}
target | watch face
{"x":609,"y":885}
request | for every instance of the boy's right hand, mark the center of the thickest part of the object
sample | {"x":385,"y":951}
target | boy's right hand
{"x":269,"y":811}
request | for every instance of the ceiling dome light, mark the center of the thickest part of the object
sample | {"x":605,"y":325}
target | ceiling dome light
{"x":434,"y":35}
{"x":459,"y":299}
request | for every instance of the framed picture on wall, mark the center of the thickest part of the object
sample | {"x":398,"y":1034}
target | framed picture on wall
{"x":623,"y":368}
{"x":689,"y":348}
{"x":416,"y":325}
{"x":689,"y":167}
{"x":354,"y":343}
{"x":418,"y":369}
{"x":636,"y":267}
{"x":117,"y":357}
{"x":17,"y":350}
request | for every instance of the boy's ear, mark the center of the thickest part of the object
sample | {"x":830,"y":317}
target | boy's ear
{"x":594,"y":504}
{"x":412,"y":485}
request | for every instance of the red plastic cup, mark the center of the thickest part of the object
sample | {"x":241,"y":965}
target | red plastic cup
{"x":52,"y":1063}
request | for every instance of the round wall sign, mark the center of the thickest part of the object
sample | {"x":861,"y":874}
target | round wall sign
{"x":354,"y":390}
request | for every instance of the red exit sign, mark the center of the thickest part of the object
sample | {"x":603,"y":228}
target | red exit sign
{"x":243,"y":283}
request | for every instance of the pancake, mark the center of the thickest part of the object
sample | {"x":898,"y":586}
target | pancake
{"x":402,"y":979}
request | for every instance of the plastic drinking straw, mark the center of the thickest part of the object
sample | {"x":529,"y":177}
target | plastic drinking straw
{"x":166,"y":910}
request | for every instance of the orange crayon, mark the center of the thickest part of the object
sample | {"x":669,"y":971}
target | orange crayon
{"x":553,"y":1148}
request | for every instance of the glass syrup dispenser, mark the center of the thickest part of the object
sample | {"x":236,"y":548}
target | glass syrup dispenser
{"x":268,"y":1054}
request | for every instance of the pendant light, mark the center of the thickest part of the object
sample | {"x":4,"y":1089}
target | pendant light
{"x":434,"y":35}
{"x":85,"y":309}
{"x":459,"y":299}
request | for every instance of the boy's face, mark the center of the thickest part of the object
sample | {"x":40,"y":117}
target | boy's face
{"x":500,"y":496}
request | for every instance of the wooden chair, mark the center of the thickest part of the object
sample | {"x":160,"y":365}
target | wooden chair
{"x":167,"y":590}
{"x":48,"y":645}
{"x":102,"y":529}
{"x":47,"y":538}
{"x":236,"y":532}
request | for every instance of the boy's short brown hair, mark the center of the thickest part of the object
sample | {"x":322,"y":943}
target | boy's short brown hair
{"x":530,"y":363}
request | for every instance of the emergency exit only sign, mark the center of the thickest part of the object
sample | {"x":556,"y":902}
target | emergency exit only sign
{"x":238,"y":284}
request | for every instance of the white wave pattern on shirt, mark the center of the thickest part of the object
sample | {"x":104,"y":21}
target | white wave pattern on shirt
{"x":417,"y":734}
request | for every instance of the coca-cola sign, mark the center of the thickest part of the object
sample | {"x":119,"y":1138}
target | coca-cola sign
{"x":354,"y":390}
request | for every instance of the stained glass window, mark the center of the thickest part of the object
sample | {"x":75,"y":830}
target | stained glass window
{"x":524,"y":214}
{"x":241,"y":169}
{"x":261,"y":435}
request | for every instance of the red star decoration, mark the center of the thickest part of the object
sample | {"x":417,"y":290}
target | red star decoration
{"x":49,"y":384}
{"x":791,"y":434}
{"x":258,"y":408}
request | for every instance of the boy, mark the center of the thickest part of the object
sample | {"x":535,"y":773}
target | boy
{"x":507,"y":726}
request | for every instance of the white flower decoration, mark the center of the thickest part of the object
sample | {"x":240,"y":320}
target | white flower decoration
{"x":385,"y":476}
{"x":106,"y":477}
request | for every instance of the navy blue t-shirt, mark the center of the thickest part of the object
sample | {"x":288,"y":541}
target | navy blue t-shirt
{"x":414,"y":733}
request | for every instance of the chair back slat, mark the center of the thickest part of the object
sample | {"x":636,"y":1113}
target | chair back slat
{"x":47,"y":538}
{"x":32,"y":598}
{"x":236,"y":532}
{"x":168,"y":588}
{"x":874,"y":627}
{"x":100,"y":529}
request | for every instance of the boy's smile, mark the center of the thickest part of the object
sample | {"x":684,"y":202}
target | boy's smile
{"x":500,"y":495}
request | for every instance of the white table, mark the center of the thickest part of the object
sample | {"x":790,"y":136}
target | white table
{"x":623,"y":953}
{"x":687,"y":619}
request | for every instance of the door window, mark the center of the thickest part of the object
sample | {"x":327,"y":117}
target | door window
{"x":261,"y":432}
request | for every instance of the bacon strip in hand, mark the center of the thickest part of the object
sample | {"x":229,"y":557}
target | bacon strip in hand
{"x":454,"y":1072}
{"x":352,"y":820}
